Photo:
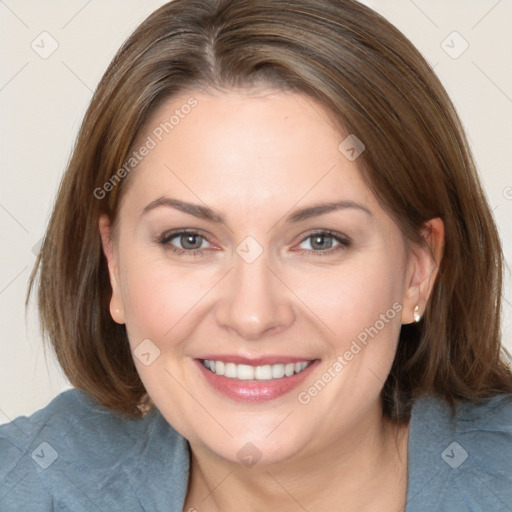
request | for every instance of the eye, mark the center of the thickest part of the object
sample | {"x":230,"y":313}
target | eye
{"x":182,"y":242}
{"x":324,"y":242}
{"x":192,"y":243}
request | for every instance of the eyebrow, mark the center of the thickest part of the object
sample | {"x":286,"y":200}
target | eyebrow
{"x":209,"y":214}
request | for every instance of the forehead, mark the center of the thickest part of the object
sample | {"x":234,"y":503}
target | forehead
{"x":246,"y":150}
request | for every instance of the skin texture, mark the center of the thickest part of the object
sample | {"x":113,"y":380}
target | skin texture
{"x":256,"y":158}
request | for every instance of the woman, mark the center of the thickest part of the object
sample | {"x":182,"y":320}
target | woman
{"x":272,"y":277}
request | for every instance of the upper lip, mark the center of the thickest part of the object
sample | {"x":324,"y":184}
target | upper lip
{"x":256,"y":361}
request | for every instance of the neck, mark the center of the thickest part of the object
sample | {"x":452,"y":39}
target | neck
{"x":365,"y":469}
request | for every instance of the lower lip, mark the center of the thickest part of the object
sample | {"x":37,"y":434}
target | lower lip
{"x":254,"y":390}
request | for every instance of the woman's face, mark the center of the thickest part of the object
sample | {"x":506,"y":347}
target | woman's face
{"x":268,"y":275}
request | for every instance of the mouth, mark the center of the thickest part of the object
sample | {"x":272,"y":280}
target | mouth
{"x":254,"y":380}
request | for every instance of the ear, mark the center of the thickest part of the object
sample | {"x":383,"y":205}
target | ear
{"x":107,"y":242}
{"x":423,"y":265}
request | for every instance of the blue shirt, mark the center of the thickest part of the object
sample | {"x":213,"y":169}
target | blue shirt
{"x":74,"y":455}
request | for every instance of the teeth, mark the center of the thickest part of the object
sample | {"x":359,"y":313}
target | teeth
{"x":277,"y":371}
{"x":219,"y":368}
{"x":247,"y":372}
{"x":289,"y":369}
{"x":230,"y":370}
{"x":263,"y":372}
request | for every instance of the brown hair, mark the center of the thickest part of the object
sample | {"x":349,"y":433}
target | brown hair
{"x":417,"y":162}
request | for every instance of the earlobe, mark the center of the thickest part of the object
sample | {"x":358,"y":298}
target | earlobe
{"x":424,"y":264}
{"x":116,"y":303}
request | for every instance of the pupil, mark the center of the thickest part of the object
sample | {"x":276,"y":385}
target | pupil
{"x":320,"y":242}
{"x":190,"y":242}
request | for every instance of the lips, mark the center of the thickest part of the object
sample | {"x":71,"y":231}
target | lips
{"x":254,"y":380}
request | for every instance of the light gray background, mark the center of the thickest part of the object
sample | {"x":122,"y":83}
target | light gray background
{"x":42,"y":102}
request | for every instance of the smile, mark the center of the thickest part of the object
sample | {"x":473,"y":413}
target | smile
{"x":248,"y":372}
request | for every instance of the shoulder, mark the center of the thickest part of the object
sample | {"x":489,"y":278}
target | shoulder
{"x":75,"y":454}
{"x":460,"y":461}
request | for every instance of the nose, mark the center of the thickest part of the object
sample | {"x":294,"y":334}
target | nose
{"x":254,"y":301}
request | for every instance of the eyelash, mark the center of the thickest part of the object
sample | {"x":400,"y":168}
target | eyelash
{"x":343,"y":241}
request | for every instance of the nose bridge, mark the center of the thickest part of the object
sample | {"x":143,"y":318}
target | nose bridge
{"x":254,"y":301}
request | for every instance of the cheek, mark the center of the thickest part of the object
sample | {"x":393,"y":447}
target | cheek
{"x":159,"y":298}
{"x":360,"y":303}
{"x":145,"y":299}
{"x":354,"y":296}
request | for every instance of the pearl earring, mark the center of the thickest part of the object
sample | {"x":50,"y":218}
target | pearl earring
{"x":417,"y":316}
